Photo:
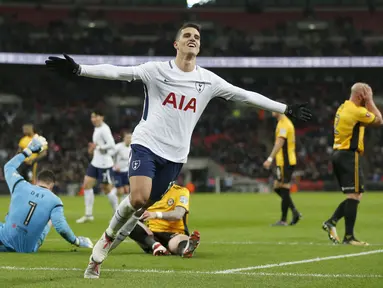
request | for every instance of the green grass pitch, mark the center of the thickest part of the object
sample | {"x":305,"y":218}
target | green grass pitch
{"x":235,"y":234}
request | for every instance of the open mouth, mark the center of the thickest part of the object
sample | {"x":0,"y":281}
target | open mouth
{"x":191,"y":44}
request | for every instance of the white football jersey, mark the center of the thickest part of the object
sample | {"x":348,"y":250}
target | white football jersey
{"x":105,"y":145}
{"x":122,"y":156}
{"x":174,"y":101}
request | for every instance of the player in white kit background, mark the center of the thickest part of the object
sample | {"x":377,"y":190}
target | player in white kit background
{"x":100,"y":168}
{"x":176,"y":94}
{"x":121,"y":166}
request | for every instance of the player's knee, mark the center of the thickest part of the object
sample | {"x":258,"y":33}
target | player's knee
{"x":88,"y":182}
{"x":173,"y":243}
{"x":138,"y":200}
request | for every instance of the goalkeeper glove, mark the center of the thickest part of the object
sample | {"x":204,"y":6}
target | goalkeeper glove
{"x":298,"y":111}
{"x":65,"y":66}
{"x":83,"y":242}
{"x":35,"y":146}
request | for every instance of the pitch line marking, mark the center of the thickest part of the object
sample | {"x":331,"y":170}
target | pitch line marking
{"x":318,"y":259}
{"x":242,"y":243}
{"x":283,"y":274}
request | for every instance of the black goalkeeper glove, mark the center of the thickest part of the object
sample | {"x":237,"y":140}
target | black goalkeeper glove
{"x":64,"y":66}
{"x":299,"y":111}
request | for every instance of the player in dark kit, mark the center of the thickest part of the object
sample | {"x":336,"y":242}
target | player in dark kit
{"x":349,"y":125}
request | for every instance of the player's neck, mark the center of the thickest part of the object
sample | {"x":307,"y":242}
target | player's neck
{"x":355,"y":101}
{"x":185,"y":63}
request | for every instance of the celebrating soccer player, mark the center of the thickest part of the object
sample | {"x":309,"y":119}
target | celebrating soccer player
{"x":350,"y":121}
{"x":176,"y":94}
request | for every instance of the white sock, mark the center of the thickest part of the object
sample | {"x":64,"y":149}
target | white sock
{"x":89,"y":201}
{"x":113,"y":199}
{"x":124,"y":211}
{"x":125,"y":231}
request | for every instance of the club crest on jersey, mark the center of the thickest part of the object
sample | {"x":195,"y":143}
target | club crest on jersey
{"x":170,"y":202}
{"x":200,"y":86}
{"x":136,"y":164}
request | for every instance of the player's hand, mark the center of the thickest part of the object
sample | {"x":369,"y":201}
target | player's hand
{"x":267,"y":164}
{"x":65,"y":66}
{"x":116,"y":168}
{"x":299,"y":111}
{"x":83,"y":242}
{"x":148,"y":215}
{"x":367,"y":91}
{"x":36,"y":145}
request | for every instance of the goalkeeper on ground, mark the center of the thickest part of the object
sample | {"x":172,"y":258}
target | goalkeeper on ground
{"x":33,"y":208}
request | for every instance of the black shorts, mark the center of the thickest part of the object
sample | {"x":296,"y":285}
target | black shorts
{"x":347,"y":170}
{"x":162,"y":237}
{"x":284,"y":173}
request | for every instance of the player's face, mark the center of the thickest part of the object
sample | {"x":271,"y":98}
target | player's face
{"x":96,"y":119}
{"x":128,"y":139}
{"x":189,"y":42}
{"x":275,"y":114}
{"x":27,"y":130}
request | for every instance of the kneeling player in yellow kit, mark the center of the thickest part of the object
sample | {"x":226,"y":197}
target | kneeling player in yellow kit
{"x":166,"y":230}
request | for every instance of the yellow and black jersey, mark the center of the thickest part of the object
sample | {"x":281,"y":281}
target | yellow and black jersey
{"x":349,"y":128}
{"x":23,"y":143}
{"x":176,"y":196}
{"x":286,"y":155}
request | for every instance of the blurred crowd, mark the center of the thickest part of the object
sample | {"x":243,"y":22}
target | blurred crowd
{"x":94,"y":32}
{"x":238,"y":137}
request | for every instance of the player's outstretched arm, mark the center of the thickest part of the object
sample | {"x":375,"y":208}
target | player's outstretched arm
{"x":222,"y":88}
{"x":62,"y":227}
{"x":68,"y":66}
{"x":13,"y":177}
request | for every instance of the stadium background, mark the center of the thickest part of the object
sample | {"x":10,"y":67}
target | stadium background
{"x":231,"y":141}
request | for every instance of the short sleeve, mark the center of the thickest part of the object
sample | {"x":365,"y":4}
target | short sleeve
{"x":183,"y":199}
{"x":364,"y":116}
{"x":282,"y":130}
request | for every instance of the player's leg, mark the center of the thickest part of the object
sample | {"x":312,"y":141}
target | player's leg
{"x":341,"y":167}
{"x":142,"y":170}
{"x":284,"y":203}
{"x":184,"y":245}
{"x":90,"y":181}
{"x":286,"y":186}
{"x":2,"y":247}
{"x":352,"y":202}
{"x":106,"y":186}
{"x":34,"y":173}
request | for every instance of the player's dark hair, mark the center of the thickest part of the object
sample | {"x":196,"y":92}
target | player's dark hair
{"x":46,"y":176}
{"x":188,"y":25}
{"x":98,"y":112}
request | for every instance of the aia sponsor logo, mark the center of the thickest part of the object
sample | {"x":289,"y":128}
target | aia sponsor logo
{"x":178,"y":102}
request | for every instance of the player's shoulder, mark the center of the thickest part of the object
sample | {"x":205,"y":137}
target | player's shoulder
{"x":208,"y":75}
{"x":180,"y":189}
{"x":154,"y":65}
